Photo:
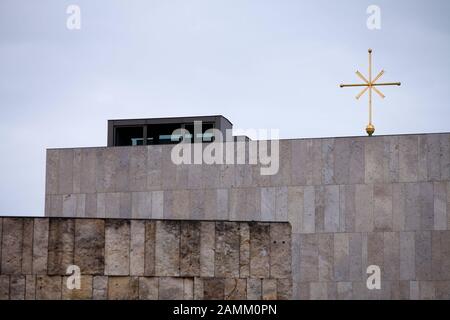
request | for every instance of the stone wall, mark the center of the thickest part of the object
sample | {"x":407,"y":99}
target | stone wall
{"x":144,"y":259}
{"x":352,"y":202}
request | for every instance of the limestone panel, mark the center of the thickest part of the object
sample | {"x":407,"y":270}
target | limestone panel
{"x":382,"y":212}
{"x":214,"y":288}
{"x":349,"y":161}
{"x":207,"y":248}
{"x":51,"y":170}
{"x":83,"y":293}
{"x":12,"y":246}
{"x":40,"y":245}
{"x":123,"y":288}
{"x":167,"y":248}
{"x":280,"y":250}
{"x":48,"y":287}
{"x":138,"y":169}
{"x":295,"y":208}
{"x":407,"y":256}
{"x":341,"y":257}
{"x":65,"y":172}
{"x":326,"y":257}
{"x":309,"y":258}
{"x":355,"y":243}
{"x":141,"y":205}
{"x":4,"y":287}
{"x":344,"y":290}
{"x":154,"y":166}
{"x":284,"y":289}
{"x":364,"y":208}
{"x":440,"y":206}
{"x":150,"y":244}
{"x":235,"y":289}
{"x":423,"y":255}
{"x":445,"y":157}
{"x":190,"y":249}
{"x":100,"y":288}
{"x":88,"y":171}
{"x":391,"y":256}
{"x":89,"y":252}
{"x":30,"y":287}
{"x":254,"y":289}
{"x":309,"y":219}
{"x":171,"y":288}
{"x":117,"y":247}
{"x":27,"y":246}
{"x":148,"y":288}
{"x":137,"y":247}
{"x":408,"y":158}
{"x":227,"y":250}
{"x":260,"y":251}
{"x":244,"y":250}
{"x":269,"y":289}
{"x":17,"y":287}
{"x":328,"y":170}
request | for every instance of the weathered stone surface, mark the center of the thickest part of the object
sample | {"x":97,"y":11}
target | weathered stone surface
{"x":344,"y":290}
{"x":150,"y":238}
{"x":4,"y":287}
{"x":309,"y":258}
{"x":17,"y":287}
{"x":84,"y":293}
{"x":117,"y":247}
{"x":148,"y":288}
{"x":171,"y":288}
{"x":440,"y":205}
{"x":423,"y":255}
{"x":30,"y":287}
{"x":137,"y":248}
{"x":443,"y":290}
{"x":198,"y":288}
{"x":349,"y":161}
{"x":295,"y":208}
{"x":356,"y":272}
{"x":284,"y":289}
{"x":141,"y":205}
{"x":190,"y":249}
{"x":363,"y":208}
{"x":269,"y":289}
{"x":123,"y":288}
{"x":65,"y":172}
{"x":227,"y":250}
{"x":214,"y":288}
{"x":407,"y":256}
{"x":167,"y":250}
{"x":48,"y":287}
{"x":375,"y":243}
{"x":408,"y":158}
{"x":60,"y":246}
{"x":12,"y":246}
{"x":260,"y":251}
{"x":40,"y":245}
{"x":188,"y":288}
{"x":254,"y":289}
{"x":51,"y":172}
{"x":391,"y":256}
{"x":27,"y":246}
{"x":207,"y":248}
{"x":244,"y":251}
{"x":280,"y":250}
{"x":382,"y":212}
{"x":400,"y":290}
{"x":100,"y":288}
{"x":89,"y":252}
{"x":235,"y":289}
{"x":326,"y":257}
{"x":341,"y":257}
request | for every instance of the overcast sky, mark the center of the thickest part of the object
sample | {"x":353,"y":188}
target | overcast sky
{"x":262,"y":64}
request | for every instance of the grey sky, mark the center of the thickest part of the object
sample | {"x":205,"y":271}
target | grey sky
{"x":262,"y":64}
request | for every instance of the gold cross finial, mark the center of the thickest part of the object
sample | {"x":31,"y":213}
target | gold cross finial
{"x":370,"y":84}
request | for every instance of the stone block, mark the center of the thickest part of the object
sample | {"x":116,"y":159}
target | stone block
{"x":244,"y":250}
{"x":260,"y":246}
{"x":318,"y":291}
{"x":167,"y":248}
{"x":374,"y":160}
{"x":269,"y":289}
{"x":375,"y":253}
{"x":295,"y":208}
{"x":117,"y":247}
{"x":100,"y":288}
{"x":355,"y":243}
{"x":180,"y":205}
{"x":76,"y":183}
{"x":440,"y":205}
{"x":349,"y":161}
{"x":17,"y":287}
{"x":214,"y":289}
{"x":65,"y":171}
{"x":89,"y":252}
{"x":198,"y":289}
{"x":344,"y":291}
{"x":254,"y":289}
{"x":190,"y":249}
{"x":407,"y":256}
{"x":423,"y":255}
{"x":391,"y":256}
{"x":83,"y":293}
{"x":88,"y":170}
{"x":125,"y":205}
{"x":148,"y":288}
{"x":51,"y":170}
{"x":154,"y":167}
{"x":280,"y":250}
{"x":309,"y":258}
{"x":112,"y":205}
{"x":429,"y":151}
{"x":138,"y":169}
{"x":207,"y":248}
{"x":4,"y":287}
{"x":309,"y":211}
{"x":341,"y":257}
{"x":188,"y":288}
{"x":48,"y":287}
{"x":157,"y":204}
{"x":382,"y":212}
{"x":137,"y":247}
{"x":347,"y":208}
{"x":364,"y":208}
{"x":141,"y":205}
{"x":150,"y":244}
{"x":398,"y":206}
{"x":123,"y":288}
{"x":331,"y":208}
{"x":445,"y":157}
{"x":222,"y":204}
{"x":326,"y":257}
{"x":12,"y":238}
{"x":408,"y":158}
{"x":27,"y":246}
{"x":427,"y":290}
{"x":284,"y":289}
{"x":30,"y":287}
{"x":268,"y":203}
{"x":328,"y":156}
{"x":442,"y":290}
{"x":40,"y":245}
{"x":227,"y":250}
{"x":171,"y":288}
{"x":400,"y":290}
{"x":235,"y":289}
{"x":198,"y":199}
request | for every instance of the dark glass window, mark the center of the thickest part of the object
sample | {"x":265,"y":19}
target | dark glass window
{"x":129,"y":136}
